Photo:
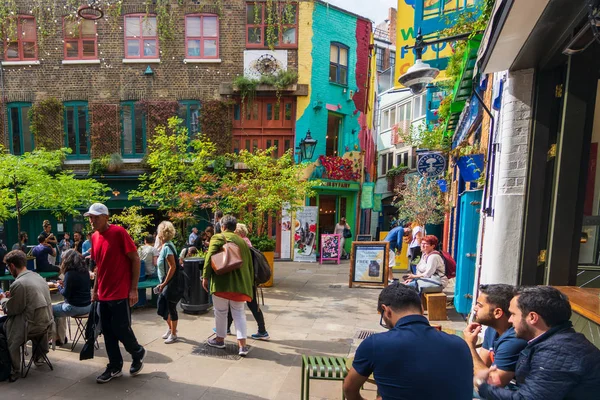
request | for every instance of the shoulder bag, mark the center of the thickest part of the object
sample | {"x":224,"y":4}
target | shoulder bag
{"x":228,"y":259}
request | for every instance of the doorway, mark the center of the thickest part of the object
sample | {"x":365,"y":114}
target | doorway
{"x":334,"y":127}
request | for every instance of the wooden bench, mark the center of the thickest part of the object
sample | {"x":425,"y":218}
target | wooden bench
{"x":435,"y":304}
{"x":321,"y":368}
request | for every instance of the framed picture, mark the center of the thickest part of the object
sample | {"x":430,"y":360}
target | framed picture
{"x":369,"y":264}
{"x":364,"y":238}
{"x":330,"y":248}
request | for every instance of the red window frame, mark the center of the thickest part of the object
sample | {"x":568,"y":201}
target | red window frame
{"x":141,"y":37}
{"x":262,"y":26}
{"x":201,"y":38}
{"x":79,"y":40}
{"x":20,"y":40}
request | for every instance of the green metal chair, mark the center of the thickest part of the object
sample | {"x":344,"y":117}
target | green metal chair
{"x":321,"y":368}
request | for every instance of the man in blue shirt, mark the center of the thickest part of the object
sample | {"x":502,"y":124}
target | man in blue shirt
{"x":501,"y":347}
{"x":41,"y":253}
{"x":412,"y":360}
{"x":395,"y":238}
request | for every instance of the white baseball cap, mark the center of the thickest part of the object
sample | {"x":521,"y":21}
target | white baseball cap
{"x":97,"y":209}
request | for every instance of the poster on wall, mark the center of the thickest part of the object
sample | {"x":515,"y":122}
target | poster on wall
{"x":330,"y":248}
{"x":305,"y":234}
{"x":286,"y":233}
{"x":369,"y":264}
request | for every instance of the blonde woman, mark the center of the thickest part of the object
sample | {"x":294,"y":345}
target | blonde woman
{"x":242,"y":231}
{"x":166,"y":269}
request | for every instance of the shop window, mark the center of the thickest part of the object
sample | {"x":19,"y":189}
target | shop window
{"x":21,"y":138}
{"x":24,"y":45}
{"x":202,"y":36}
{"x":189,"y":112}
{"x":80,"y":39}
{"x":76,"y":129}
{"x":141,"y":40}
{"x":338,"y":64}
{"x":133,"y":128}
{"x":285,"y":19}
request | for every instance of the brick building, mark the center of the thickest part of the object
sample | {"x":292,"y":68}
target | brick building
{"x":118,"y":77}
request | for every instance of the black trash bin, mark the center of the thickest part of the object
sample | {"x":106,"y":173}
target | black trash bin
{"x":198,"y":300}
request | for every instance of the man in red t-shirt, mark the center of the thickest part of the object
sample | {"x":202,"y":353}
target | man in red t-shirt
{"x":115,"y":289}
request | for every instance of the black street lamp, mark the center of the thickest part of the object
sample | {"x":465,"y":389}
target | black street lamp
{"x":307,"y":147}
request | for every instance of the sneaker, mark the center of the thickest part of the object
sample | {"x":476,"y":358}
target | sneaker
{"x":168,"y":333}
{"x":137,"y":364}
{"x":243,"y":351}
{"x":215,"y":343}
{"x":171,"y":339}
{"x":228,"y":332}
{"x":261,"y":336}
{"x":108,"y":375}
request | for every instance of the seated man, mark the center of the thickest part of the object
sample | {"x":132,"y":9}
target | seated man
{"x":27,"y":306}
{"x":41,"y":253}
{"x":413,"y":360}
{"x":558,"y":363}
{"x":501,"y":348}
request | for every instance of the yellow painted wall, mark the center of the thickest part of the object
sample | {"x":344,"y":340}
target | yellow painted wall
{"x":305,"y":21}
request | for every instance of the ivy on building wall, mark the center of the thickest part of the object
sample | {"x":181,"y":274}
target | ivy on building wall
{"x":105,"y":135}
{"x":215,"y":124}
{"x":46,"y":123}
{"x":157,"y":113}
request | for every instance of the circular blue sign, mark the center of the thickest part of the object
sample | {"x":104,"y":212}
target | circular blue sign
{"x":431,"y":164}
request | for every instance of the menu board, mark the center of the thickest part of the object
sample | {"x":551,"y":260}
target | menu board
{"x":304,"y":227}
{"x":330,"y":248}
{"x":369,"y":264}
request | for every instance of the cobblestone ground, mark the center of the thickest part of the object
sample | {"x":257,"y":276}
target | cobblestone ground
{"x":309,"y":310}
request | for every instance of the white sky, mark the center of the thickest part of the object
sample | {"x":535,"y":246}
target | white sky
{"x":375,"y":10}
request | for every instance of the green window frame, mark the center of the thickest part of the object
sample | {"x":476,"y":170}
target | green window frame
{"x":77,"y":137}
{"x":20,"y":138}
{"x":133,"y":131}
{"x":189,"y":112}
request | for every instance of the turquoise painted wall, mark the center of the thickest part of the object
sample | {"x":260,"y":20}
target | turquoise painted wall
{"x":331,"y":25}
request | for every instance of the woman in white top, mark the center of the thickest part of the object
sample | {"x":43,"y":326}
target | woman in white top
{"x":339,"y":230}
{"x":431,"y":270}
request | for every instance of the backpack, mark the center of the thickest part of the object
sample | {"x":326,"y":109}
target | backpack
{"x":178,"y":286}
{"x":449,"y":264}
{"x":262,"y":270}
{"x":5,"y":365}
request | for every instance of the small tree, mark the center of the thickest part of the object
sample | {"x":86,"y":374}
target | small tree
{"x":134,"y":222}
{"x":36,"y":180}
{"x":264,"y":188}
{"x":180,"y":183}
{"x":420,"y":200}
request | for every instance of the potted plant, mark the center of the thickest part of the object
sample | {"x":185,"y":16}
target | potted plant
{"x":266,"y":245}
{"x":395,"y":176}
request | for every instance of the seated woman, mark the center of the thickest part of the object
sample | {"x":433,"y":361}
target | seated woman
{"x":431,"y":270}
{"x":75,"y":288}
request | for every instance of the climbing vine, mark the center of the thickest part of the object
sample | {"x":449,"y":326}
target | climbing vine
{"x":215,"y":124}
{"x":46,"y":123}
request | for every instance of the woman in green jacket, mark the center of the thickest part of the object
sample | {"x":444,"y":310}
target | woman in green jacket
{"x":231,"y":290}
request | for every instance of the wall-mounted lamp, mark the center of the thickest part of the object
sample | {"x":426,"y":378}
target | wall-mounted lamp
{"x":307,"y":147}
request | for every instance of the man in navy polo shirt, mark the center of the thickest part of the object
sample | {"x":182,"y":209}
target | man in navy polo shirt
{"x":501,"y":347}
{"x":412,"y":360}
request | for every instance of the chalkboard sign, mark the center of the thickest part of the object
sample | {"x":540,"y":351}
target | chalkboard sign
{"x":330,"y":248}
{"x":364,"y":238}
{"x":369,"y":264}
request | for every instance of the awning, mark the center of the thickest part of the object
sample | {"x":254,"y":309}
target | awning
{"x":528,"y":34}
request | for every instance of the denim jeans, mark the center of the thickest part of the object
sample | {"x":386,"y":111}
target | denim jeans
{"x":63,"y":310}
